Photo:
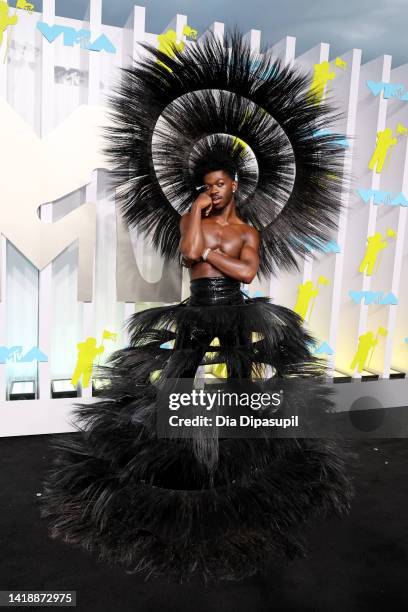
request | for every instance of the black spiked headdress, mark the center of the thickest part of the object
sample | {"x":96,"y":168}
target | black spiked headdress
{"x":171,"y":113}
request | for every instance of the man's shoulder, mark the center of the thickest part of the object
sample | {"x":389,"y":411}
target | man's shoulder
{"x":252,"y":229}
{"x":249,"y":234}
{"x":249,"y":230}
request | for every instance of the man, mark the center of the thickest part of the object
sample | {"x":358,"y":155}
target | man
{"x":221,"y":252}
{"x":214,"y":240}
{"x":207,"y":504}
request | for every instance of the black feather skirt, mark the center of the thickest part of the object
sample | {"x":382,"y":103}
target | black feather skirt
{"x":217,"y":506}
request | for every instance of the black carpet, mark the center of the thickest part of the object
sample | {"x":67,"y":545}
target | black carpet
{"x":357,"y":563}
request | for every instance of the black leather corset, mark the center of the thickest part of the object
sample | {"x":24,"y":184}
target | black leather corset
{"x":215,"y":290}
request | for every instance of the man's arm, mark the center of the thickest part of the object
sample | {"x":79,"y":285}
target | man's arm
{"x":192,"y":240}
{"x":243,"y":268}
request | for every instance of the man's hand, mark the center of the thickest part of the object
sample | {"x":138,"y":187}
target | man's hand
{"x":188,"y":263}
{"x":203,"y":202}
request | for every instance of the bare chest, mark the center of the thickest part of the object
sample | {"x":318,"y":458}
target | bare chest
{"x":228,"y":238}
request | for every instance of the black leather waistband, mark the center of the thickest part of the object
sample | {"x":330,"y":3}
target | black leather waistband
{"x":215,"y":290}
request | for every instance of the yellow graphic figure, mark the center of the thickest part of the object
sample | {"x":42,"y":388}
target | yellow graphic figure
{"x":220,"y":369}
{"x":189,"y":32}
{"x":385,"y":140}
{"x":87,"y":351}
{"x":107,"y":335}
{"x":154,"y":375}
{"x":168,"y":41}
{"x":306,"y":292}
{"x":25,"y":6}
{"x":168,"y":44}
{"x":340,"y":63}
{"x":322,"y":280}
{"x":375,"y":246}
{"x":306,"y":297}
{"x":216,"y":369}
{"x":321,"y":76}
{"x":401,"y":129}
{"x":6,"y":20}
{"x":365,"y":349}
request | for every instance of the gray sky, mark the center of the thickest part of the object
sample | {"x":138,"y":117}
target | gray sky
{"x":375,"y":26}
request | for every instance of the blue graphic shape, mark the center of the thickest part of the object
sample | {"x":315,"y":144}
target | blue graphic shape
{"x":7,"y":353}
{"x":299,"y":242}
{"x":406,"y":339}
{"x":70,"y":37}
{"x":389,"y":299}
{"x":338,"y":139}
{"x":316,"y":244}
{"x":73,"y":37}
{"x":308,"y":246}
{"x":166,"y":345}
{"x":393,"y":90}
{"x":331,"y":246}
{"x":365,"y":194}
{"x":50,"y":32}
{"x":15,"y":351}
{"x":380,"y":197}
{"x":375,"y":86}
{"x":4,"y":354}
{"x":373,"y":297}
{"x":324,"y":349}
{"x":34,"y":354}
{"x":102,"y":43}
{"x":270,"y":73}
{"x":400,"y":200}
{"x":83,"y":38}
{"x":343,"y":142}
{"x":356,"y":296}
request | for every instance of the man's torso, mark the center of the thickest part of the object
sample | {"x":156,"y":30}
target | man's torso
{"x":229,"y":239}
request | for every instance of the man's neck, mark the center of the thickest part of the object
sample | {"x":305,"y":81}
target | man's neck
{"x":226,"y":215}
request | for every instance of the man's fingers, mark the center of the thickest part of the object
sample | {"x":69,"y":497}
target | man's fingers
{"x":207,"y":212}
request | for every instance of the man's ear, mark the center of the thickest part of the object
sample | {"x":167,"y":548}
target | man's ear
{"x":234,"y":186}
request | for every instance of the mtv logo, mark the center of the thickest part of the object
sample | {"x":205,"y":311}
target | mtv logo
{"x":58,"y":164}
{"x":14,"y":354}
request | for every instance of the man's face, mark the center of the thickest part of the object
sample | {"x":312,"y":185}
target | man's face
{"x":219,"y":186}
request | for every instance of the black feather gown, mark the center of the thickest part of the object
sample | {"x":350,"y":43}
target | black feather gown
{"x":220,"y":507}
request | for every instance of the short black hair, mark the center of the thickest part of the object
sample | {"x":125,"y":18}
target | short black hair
{"x":214,"y":163}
